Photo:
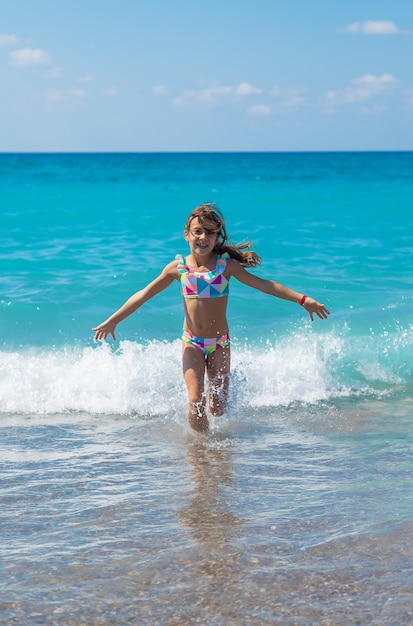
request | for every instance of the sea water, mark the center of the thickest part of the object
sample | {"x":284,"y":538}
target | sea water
{"x":297,"y":507}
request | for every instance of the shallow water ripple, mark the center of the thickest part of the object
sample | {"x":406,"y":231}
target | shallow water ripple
{"x":110,"y":521}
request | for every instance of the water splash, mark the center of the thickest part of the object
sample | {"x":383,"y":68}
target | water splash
{"x":145,"y":380}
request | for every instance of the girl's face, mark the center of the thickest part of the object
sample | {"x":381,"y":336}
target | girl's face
{"x":201,"y":237}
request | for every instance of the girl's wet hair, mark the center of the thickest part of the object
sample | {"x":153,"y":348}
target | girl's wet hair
{"x":211,"y":218}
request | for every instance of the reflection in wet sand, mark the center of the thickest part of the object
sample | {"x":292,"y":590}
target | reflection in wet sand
{"x":208,"y":514}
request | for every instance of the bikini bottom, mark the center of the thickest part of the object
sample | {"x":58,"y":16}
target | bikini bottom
{"x":205,"y":344}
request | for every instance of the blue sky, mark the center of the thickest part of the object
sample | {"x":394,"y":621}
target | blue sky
{"x":190,"y":75}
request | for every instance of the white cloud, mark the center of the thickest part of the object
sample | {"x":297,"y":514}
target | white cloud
{"x":110,"y":92}
{"x":29,"y":56}
{"x":370,"y":79}
{"x":372,"y":27}
{"x":289,"y":97}
{"x":353,"y":28}
{"x":245,"y":89}
{"x":203,"y":96}
{"x":86,"y":78}
{"x":379,"y":28}
{"x":53,"y":73}
{"x":179,"y":103}
{"x":8,"y":40}
{"x":211,"y":93}
{"x":362,"y":89}
{"x":160,"y":90}
{"x":376,"y":109}
{"x":259,"y":109}
{"x":214,"y":94}
{"x":58,"y":99}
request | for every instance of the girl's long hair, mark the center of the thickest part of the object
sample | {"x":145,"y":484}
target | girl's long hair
{"x":209,"y":215}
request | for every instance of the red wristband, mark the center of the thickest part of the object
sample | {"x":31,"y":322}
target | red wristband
{"x":303,"y":299}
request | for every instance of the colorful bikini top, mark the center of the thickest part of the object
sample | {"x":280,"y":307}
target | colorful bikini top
{"x":204,"y":284}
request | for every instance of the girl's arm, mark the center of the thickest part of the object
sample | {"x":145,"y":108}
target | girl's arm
{"x":277,"y":290}
{"x":165,"y":278}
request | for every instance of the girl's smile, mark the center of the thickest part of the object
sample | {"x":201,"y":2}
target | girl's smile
{"x":201,"y":238}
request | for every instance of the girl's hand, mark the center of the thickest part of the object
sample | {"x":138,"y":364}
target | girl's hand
{"x":312,"y":306}
{"x":103,"y":330}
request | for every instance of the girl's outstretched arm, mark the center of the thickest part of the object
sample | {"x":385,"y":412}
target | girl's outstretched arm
{"x":165,"y":278}
{"x":279,"y":291}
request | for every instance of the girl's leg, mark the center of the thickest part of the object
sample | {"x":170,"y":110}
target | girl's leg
{"x":193,"y":364}
{"x":218,"y":368}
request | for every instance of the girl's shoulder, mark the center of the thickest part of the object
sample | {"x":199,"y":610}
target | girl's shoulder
{"x":172,"y":267}
{"x":231,"y":262}
{"x":234,"y":267}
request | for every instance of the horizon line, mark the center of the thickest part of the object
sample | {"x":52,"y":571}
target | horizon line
{"x":332,"y":151}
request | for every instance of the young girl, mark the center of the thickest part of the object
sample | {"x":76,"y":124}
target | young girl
{"x":204,"y":278}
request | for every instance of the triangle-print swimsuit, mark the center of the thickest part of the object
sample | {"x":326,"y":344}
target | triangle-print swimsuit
{"x":211,"y":284}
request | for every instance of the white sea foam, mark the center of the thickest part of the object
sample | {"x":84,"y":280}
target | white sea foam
{"x":146,"y":380}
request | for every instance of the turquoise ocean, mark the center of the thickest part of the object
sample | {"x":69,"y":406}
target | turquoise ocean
{"x":297,"y":507}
